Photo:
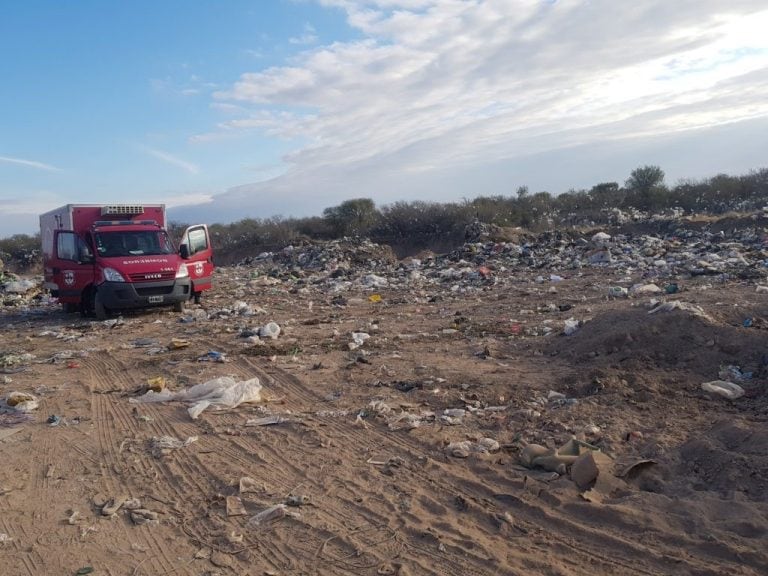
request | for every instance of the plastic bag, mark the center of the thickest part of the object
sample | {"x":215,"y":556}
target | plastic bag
{"x":723,"y":388}
{"x":222,"y":392}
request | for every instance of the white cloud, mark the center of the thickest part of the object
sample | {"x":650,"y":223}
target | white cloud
{"x":172,"y":160}
{"x":29,"y":163}
{"x":308,"y":37}
{"x":193,"y":198}
{"x":438,"y":84}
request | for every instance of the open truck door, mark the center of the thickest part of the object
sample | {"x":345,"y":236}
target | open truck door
{"x":196,"y":251}
{"x":71,"y":268}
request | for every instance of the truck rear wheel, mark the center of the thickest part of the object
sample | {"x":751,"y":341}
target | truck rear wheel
{"x":99,"y":309}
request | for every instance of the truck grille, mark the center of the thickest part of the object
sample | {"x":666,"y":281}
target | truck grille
{"x":152,"y":276}
{"x":155,"y":290}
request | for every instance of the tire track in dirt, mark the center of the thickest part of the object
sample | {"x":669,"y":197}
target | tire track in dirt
{"x":275,"y":457}
{"x":564,"y":530}
{"x":558,"y":526}
{"x":122,"y":411}
{"x":107,"y":374}
{"x":299,"y":396}
{"x":184,"y":464}
{"x":40,"y":492}
{"x":370,"y":439}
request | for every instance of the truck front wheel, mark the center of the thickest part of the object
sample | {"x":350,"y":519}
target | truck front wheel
{"x":178,"y":307}
{"x":99,"y":309}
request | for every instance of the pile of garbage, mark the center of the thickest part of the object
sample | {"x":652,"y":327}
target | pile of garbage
{"x":339,"y":266}
{"x":493,"y":255}
{"x":332,"y":256}
{"x":15,"y":291}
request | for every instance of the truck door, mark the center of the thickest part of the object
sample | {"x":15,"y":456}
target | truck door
{"x":72,"y":266}
{"x":196,"y":249}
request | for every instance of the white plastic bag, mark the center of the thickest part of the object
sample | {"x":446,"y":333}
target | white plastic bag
{"x":723,"y":388}
{"x":222,"y":392}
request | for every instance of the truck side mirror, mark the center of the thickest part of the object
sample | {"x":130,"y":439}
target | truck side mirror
{"x":184,"y":251}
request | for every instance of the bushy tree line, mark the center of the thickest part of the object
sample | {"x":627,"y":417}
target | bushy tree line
{"x":419,"y":224}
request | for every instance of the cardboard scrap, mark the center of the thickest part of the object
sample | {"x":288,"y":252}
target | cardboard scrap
{"x":235,"y":506}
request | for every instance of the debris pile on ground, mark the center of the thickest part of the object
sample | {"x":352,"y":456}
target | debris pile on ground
{"x":435,"y":407}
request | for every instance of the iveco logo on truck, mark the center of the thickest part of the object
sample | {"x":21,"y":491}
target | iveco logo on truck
{"x":102,"y":258}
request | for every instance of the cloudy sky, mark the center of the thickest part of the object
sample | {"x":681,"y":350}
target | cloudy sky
{"x":228,"y":110}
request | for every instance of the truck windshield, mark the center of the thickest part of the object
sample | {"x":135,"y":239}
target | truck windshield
{"x":133,"y":243}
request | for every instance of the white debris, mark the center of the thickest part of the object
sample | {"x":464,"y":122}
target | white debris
{"x":222,"y":392}
{"x":270,"y":330}
{"x":723,"y":388}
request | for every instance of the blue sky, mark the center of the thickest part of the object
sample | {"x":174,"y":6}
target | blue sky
{"x":233,"y":109}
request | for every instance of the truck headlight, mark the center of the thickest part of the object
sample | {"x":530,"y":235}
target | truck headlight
{"x":182,"y":272}
{"x":112,"y":275}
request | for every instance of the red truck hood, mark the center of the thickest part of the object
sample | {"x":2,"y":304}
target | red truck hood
{"x":144,"y":268}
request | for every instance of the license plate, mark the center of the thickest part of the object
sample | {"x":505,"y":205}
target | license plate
{"x":155,"y":299}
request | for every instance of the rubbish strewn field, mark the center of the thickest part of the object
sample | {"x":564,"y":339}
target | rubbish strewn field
{"x":397,"y":408}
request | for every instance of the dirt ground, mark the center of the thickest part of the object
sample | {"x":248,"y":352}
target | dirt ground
{"x":360,"y":445}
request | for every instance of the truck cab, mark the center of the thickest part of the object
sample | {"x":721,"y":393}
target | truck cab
{"x":106,"y":258}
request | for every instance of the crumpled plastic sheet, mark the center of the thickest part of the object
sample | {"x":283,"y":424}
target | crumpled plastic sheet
{"x":171,"y":443}
{"x":219,"y":393}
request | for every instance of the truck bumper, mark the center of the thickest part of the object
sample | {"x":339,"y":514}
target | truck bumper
{"x":123,"y":295}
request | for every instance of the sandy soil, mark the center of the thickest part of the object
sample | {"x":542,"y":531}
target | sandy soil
{"x":362,"y":440}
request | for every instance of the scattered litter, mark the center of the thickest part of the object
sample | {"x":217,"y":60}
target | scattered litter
{"x":733,"y":373}
{"x":453,"y":416}
{"x":167,"y":443}
{"x":678,"y":305}
{"x":178,"y":343}
{"x":20,"y":402}
{"x":266,"y":421}
{"x":111,"y":507}
{"x":571,"y":326}
{"x":9,"y":359}
{"x":270,"y":330}
{"x":272,"y":514}
{"x":235,"y":506}
{"x":297,"y":501}
{"x":618,"y":292}
{"x":536,"y":456}
{"x":358,"y":338}
{"x":645,"y":289}
{"x":156,"y":384}
{"x":723,"y":388}
{"x":219,"y":393}
{"x":466,"y":447}
{"x":141,"y":516}
{"x":248,"y":484}
{"x":212,"y":356}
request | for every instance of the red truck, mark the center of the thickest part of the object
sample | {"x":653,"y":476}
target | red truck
{"x":99,"y":258}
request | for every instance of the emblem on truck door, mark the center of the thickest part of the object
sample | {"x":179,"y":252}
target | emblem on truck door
{"x":199,"y":268}
{"x":69,"y":277}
